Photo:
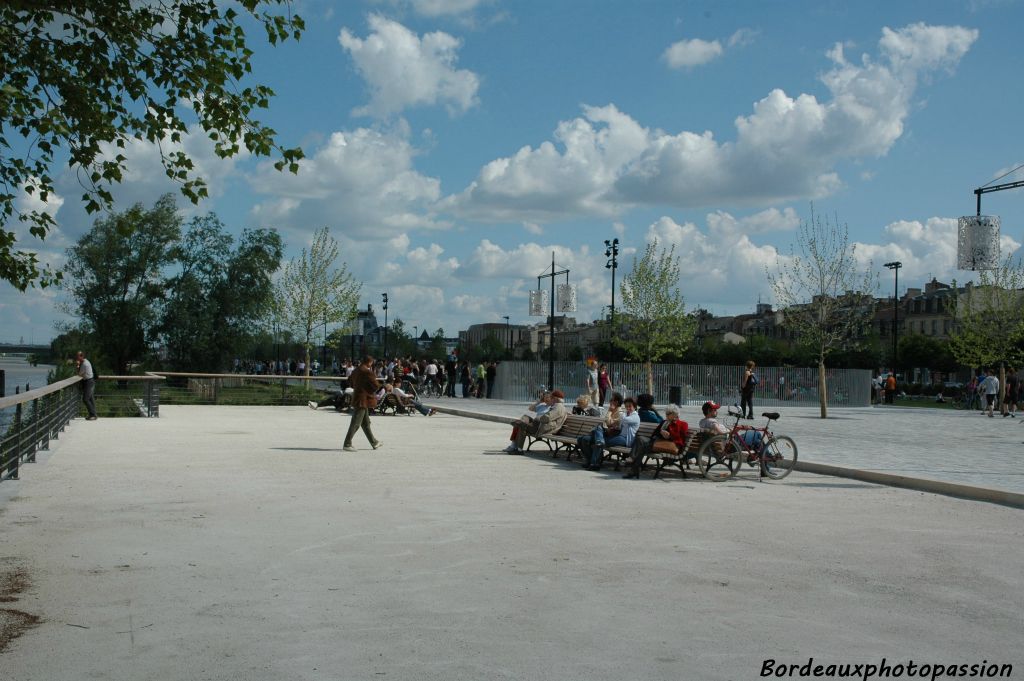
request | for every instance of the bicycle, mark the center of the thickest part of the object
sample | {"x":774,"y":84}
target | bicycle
{"x":721,"y":456}
{"x":432,"y":388}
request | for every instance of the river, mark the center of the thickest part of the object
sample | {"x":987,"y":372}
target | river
{"x":18,"y":372}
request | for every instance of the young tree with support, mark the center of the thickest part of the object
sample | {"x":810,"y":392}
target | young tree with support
{"x":825,"y":295}
{"x":313,"y":293}
{"x":653,"y":321}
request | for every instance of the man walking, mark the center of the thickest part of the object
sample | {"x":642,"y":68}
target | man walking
{"x":990,"y":387}
{"x":88,"y":384}
{"x":364,"y":397}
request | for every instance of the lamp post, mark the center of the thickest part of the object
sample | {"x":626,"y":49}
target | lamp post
{"x":551,"y":318}
{"x":323,"y":355}
{"x":415,"y":339}
{"x":611,"y":252}
{"x":895,"y":267}
{"x":384,"y":296}
{"x":508,"y":334}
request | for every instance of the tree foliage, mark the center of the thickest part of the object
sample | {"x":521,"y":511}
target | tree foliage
{"x":81,"y":78}
{"x":653,"y":322}
{"x":115,"y":279}
{"x":826,"y":298}
{"x":219,"y":294}
{"x":989,"y":326}
{"x":312,"y":292}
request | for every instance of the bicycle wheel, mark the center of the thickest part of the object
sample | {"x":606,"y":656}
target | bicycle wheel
{"x":719,"y":458}
{"x":778,"y":457}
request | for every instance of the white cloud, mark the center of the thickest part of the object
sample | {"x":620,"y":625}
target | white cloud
{"x":533,"y":228}
{"x":437,"y":8}
{"x":742,"y":37}
{"x":404,"y":70}
{"x":787,"y":148}
{"x":360,"y":182}
{"x":686,"y":54}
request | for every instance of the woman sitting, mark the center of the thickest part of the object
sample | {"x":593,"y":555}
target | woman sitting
{"x":645,"y":409}
{"x":584,"y":407}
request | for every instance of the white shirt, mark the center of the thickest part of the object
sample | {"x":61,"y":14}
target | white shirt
{"x":713,"y":425}
{"x":431,"y":369}
{"x":85,"y":370}
{"x":991,"y":385}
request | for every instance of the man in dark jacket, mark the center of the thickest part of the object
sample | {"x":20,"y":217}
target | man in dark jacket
{"x":365,"y":387}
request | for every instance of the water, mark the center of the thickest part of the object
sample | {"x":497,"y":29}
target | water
{"x":18,"y":372}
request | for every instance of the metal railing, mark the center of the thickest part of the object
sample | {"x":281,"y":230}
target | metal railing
{"x":119,"y":396}
{"x":39,"y":416}
{"x":244,"y":389}
{"x":777,"y":386}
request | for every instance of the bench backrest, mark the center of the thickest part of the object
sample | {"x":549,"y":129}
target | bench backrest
{"x":576,"y":426}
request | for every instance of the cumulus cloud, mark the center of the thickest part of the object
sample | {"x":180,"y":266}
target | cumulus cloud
{"x":605,"y":161}
{"x":361,"y":182}
{"x":686,"y":54}
{"x":437,"y":8}
{"x":404,"y":70}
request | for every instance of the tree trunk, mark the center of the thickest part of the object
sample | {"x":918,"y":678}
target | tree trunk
{"x":822,"y":389}
{"x":649,"y":368}
{"x":1001,"y":395}
{"x":307,"y":362}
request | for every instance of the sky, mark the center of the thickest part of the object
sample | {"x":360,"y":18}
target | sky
{"x":453,"y":146}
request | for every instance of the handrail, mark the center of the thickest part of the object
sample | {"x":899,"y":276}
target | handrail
{"x":29,"y":395}
{"x":185,"y":374}
{"x":148,"y":377}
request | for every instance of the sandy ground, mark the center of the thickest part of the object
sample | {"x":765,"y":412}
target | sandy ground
{"x":242,"y":543}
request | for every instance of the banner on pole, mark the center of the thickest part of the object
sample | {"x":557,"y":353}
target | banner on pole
{"x":538,"y":303}
{"x":566,"y":301}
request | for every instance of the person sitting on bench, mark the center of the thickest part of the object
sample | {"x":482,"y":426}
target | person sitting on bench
{"x":339,"y":399}
{"x":406,"y":401}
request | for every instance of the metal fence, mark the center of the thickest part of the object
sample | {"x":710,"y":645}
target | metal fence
{"x":35,"y":418}
{"x":692,"y":384}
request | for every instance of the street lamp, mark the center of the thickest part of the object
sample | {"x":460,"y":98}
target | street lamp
{"x":895,"y":267}
{"x":385,"y":297}
{"x":323,"y":355}
{"x":415,"y":338}
{"x":611,"y":252}
{"x":508,"y":334}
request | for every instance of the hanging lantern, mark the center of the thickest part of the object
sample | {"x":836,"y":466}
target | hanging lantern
{"x":978,"y":242}
{"x":566,"y":301}
{"x":538,"y":303}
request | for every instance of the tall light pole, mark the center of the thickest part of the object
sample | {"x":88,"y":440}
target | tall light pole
{"x":508,"y":334}
{"x":323,"y":355}
{"x":551,"y":318}
{"x":385,"y":297}
{"x":895,"y":267}
{"x":611,"y":252}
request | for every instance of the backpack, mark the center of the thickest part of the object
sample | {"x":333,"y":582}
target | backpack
{"x":753,"y":379}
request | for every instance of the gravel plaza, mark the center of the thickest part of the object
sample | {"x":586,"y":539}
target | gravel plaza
{"x":242,"y":543}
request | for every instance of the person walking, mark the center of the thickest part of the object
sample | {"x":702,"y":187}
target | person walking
{"x":85,"y":372}
{"x":492,"y":377}
{"x":365,"y":386}
{"x":991,"y":389}
{"x":890,"y":389}
{"x":747,"y":386}
{"x":592,"y":381}
{"x":604,"y":384}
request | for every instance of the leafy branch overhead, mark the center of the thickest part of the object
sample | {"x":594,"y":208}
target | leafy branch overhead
{"x":83,"y":81}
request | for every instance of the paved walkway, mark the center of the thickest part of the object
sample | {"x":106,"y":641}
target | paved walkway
{"x":241,"y":543}
{"x":938,"y":444}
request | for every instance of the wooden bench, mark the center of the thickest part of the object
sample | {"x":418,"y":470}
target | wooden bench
{"x":687,"y":453}
{"x":643,"y":436}
{"x":566,"y":437}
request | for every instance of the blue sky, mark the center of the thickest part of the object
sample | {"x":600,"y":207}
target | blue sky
{"x":452,"y":145}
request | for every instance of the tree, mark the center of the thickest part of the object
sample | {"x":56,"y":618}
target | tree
{"x":653,"y":322}
{"x":825,"y":297}
{"x":115,"y":278}
{"x":219,"y":295}
{"x":989,"y":327}
{"x":311,"y":292}
{"x":85,"y":77}
{"x":437,"y":348}
{"x":918,"y":351}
